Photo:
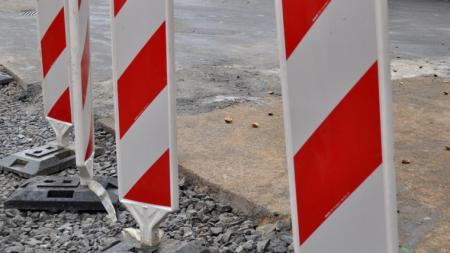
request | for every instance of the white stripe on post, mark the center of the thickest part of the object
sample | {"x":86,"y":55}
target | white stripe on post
{"x":339,"y":62}
{"x":144,"y":94}
{"x":135,"y":12}
{"x":336,"y":94}
{"x":47,"y":10}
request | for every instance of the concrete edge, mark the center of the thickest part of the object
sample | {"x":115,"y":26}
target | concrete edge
{"x":105,"y":124}
{"x":239,"y":204}
{"x":18,"y":80}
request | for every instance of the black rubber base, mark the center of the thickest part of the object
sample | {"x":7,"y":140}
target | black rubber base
{"x":45,"y":193}
{"x":44,"y":160}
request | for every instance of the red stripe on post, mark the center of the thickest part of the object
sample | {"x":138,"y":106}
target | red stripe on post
{"x":53,"y":43}
{"x":299,"y":16}
{"x":340,"y":155}
{"x":154,"y":186}
{"x":143,"y":80}
{"x":90,"y":146}
{"x":118,"y":4}
{"x":61,"y":109}
{"x":85,"y":65}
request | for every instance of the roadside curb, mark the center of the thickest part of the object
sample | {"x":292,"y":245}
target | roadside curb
{"x":240,"y":204}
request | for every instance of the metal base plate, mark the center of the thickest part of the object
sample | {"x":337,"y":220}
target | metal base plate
{"x":45,"y":193}
{"x":44,"y":160}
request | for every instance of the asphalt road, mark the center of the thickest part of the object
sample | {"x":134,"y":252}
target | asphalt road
{"x":420,"y":28}
{"x":226,"y":51}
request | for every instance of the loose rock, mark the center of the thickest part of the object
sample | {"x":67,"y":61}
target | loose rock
{"x":404,"y":161}
{"x":202,"y":224}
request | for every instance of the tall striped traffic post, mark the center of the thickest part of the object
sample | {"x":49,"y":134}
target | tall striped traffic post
{"x":81,"y":97}
{"x":338,"y":120}
{"x":144,"y":94}
{"x":81,"y":90}
{"x":52,"y":157}
{"x":66,"y":62}
{"x":55,"y":62}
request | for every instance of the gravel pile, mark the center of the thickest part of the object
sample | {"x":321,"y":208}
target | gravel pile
{"x":200,"y":223}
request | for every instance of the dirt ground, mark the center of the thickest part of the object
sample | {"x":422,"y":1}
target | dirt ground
{"x":422,"y":132}
{"x":215,"y":152}
{"x":422,"y":158}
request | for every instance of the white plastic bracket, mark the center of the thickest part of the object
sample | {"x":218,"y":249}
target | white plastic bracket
{"x":61,"y":132}
{"x":98,"y":189}
{"x":87,"y":171}
{"x":148,"y":219}
{"x":86,"y":178}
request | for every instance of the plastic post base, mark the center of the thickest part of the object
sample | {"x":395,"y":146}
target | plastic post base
{"x":44,"y":160}
{"x":45,"y":193}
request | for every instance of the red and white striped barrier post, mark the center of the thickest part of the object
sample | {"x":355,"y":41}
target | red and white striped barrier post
{"x":81,"y":90}
{"x":81,"y":97}
{"x":337,"y":105}
{"x":144,"y":93}
{"x":52,"y":157}
{"x":55,"y":62}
